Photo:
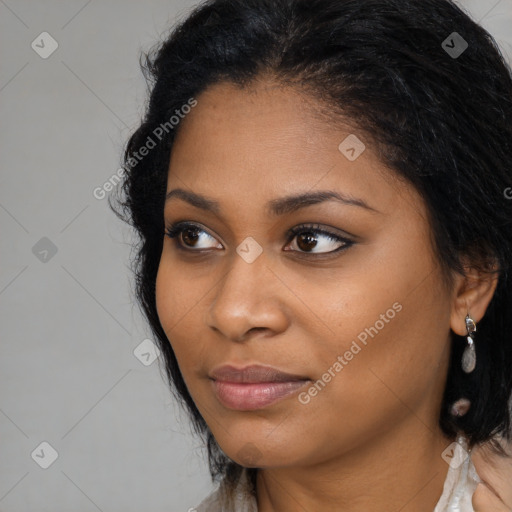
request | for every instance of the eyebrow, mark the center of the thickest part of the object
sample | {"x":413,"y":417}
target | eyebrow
{"x":275,"y":207}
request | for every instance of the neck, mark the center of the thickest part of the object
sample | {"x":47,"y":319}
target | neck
{"x":401,"y":469}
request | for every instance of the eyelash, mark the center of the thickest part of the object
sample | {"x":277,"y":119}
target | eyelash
{"x":176,"y":229}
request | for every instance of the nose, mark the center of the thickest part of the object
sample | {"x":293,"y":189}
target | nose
{"x":248,"y":301}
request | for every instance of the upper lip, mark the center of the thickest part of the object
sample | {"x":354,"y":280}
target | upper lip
{"x":252,"y":374}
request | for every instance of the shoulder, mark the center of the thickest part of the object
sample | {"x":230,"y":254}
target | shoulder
{"x":212,"y":503}
{"x":220,"y":500}
{"x":461,"y":480}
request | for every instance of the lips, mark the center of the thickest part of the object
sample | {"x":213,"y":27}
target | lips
{"x":253,"y":374}
{"x":253,"y":387}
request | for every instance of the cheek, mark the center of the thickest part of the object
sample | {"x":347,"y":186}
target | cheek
{"x":388,"y":371}
{"x":178,"y":304}
{"x":167,"y":287}
{"x":388,"y":320}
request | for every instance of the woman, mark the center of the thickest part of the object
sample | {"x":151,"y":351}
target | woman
{"x":322,"y":190}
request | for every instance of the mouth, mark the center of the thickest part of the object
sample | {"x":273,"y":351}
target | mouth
{"x":253,"y":387}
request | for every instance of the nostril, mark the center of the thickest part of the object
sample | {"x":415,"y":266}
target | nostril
{"x":258,"y":329}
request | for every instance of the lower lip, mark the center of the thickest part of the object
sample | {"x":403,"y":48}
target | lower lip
{"x":247,"y":397}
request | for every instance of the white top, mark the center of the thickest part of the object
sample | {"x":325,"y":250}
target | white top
{"x":459,"y":486}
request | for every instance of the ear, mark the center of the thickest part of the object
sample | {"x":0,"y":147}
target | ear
{"x":472,"y":294}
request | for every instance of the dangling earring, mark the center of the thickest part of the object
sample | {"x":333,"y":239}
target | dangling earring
{"x":460,"y":407}
{"x":469,"y":356}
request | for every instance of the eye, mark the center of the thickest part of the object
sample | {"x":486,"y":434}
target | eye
{"x":312,"y":239}
{"x":189,"y":235}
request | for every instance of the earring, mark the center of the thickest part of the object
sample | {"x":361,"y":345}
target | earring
{"x":469,"y":356}
{"x":460,"y":407}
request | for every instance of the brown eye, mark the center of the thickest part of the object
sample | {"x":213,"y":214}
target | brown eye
{"x":313,"y":240}
{"x":190,"y":236}
{"x":306,"y":242}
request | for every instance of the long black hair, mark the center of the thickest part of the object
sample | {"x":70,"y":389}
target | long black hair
{"x":424,"y":83}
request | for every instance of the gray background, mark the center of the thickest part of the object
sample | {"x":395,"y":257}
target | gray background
{"x":69,"y":328}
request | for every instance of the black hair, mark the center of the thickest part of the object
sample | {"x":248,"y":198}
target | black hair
{"x":437,"y":113}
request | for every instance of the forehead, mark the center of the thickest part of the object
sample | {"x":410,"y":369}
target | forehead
{"x":268,"y":140}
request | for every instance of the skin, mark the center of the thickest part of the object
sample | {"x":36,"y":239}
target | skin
{"x":290,"y":310}
{"x":494,"y":494}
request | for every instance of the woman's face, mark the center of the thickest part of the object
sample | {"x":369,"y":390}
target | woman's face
{"x":364,"y":328}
